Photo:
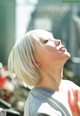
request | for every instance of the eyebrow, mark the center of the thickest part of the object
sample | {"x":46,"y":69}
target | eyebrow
{"x":52,"y":34}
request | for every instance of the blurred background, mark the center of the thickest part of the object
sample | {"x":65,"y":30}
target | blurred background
{"x":61,"y":17}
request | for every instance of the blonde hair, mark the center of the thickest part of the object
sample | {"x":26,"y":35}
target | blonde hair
{"x":22,"y":59}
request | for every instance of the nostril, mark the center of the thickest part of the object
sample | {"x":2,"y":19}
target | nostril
{"x":58,"y":42}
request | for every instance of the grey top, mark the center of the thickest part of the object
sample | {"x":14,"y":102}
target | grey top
{"x":46,"y":102}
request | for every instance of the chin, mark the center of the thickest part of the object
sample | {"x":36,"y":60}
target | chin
{"x":67,"y":55}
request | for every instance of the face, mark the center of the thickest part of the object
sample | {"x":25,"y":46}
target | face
{"x":50,"y":51}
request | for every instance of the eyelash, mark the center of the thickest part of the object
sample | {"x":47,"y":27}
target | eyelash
{"x":46,"y":41}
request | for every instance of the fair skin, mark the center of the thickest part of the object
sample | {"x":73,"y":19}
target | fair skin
{"x":50,"y":59}
{"x":51,"y":72}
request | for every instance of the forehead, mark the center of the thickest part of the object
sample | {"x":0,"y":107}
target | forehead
{"x":41,"y":34}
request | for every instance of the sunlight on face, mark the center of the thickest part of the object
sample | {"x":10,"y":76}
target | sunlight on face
{"x":48,"y":49}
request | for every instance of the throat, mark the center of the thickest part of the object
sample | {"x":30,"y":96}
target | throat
{"x":52,"y":83}
{"x":51,"y":78}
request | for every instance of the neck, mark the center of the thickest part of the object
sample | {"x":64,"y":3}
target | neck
{"x":51,"y":79}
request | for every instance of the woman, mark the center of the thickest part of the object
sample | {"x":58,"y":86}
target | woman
{"x":38,"y":59}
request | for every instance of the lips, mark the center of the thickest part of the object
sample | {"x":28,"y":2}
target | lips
{"x":62,"y":48}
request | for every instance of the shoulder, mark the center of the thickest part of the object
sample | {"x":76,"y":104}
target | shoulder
{"x":37,"y":105}
{"x":67,"y":84}
{"x":34,"y":104}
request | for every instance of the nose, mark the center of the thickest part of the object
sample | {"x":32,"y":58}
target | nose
{"x":57,"y":42}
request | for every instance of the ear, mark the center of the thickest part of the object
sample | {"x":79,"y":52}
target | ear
{"x":37,"y":65}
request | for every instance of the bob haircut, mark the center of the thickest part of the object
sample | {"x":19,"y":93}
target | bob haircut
{"x":22,"y":57}
{"x":21,"y":60}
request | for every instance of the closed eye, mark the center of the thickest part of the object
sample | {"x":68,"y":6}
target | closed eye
{"x":45,"y":41}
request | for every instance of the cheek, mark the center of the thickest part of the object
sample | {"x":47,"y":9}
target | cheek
{"x":52,"y":49}
{"x":53,"y":53}
{"x":47,"y":54}
{"x":43,"y":55}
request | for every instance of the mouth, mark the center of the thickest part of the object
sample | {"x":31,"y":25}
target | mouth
{"x":62,"y":48}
